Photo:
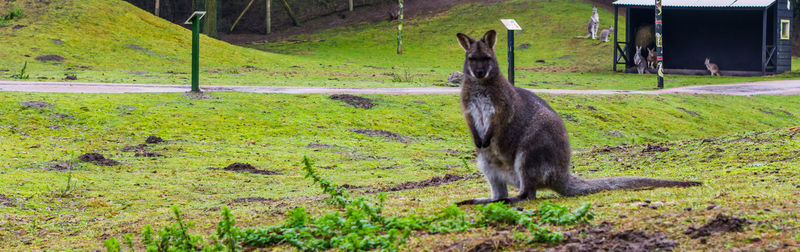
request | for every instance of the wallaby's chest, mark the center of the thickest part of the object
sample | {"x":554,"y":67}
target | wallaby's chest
{"x":481,"y":110}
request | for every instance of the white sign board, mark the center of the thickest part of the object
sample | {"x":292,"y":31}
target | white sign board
{"x":200,"y":15}
{"x":511,"y":24}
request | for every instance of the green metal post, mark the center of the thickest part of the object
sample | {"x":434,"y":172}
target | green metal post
{"x":511,"y":57}
{"x":196,"y":53}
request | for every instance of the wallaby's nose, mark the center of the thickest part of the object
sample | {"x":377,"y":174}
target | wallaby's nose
{"x":480,"y":73}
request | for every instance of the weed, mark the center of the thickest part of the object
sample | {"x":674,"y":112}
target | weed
{"x":22,"y":75}
{"x":69,"y":186}
{"x":466,"y":165}
{"x":404,"y":77}
{"x":358,"y":225}
{"x":112,"y":245}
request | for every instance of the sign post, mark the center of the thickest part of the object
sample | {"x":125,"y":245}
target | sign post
{"x":511,"y":26}
{"x":659,"y":46}
{"x":194,"y":20}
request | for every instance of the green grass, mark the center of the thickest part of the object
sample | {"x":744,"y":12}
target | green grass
{"x":273,"y":132}
{"x":96,"y":35}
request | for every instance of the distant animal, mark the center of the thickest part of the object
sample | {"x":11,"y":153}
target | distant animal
{"x":605,"y":33}
{"x":713,"y":68}
{"x":521,"y":141}
{"x":652,"y":58}
{"x":639,"y":61}
{"x":594,"y":23}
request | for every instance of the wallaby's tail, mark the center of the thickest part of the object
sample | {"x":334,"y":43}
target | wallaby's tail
{"x":578,"y":186}
{"x":584,"y":37}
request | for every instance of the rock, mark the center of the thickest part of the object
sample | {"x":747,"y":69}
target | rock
{"x":455,"y":77}
{"x":71,"y":77}
{"x":524,"y":46}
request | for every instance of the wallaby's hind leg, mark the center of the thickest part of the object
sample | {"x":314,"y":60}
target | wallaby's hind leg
{"x":497,"y":184}
{"x":527,"y":185}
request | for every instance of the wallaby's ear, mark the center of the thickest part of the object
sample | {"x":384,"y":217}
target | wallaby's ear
{"x":490,"y":38}
{"x":465,"y":41}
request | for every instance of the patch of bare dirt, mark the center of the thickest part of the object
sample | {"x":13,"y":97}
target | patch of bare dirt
{"x":6,"y":201}
{"x":134,"y":148}
{"x":148,"y":154}
{"x":36,"y":105}
{"x":654,"y":148}
{"x":244,"y":167}
{"x":603,"y":238}
{"x":435,"y":181}
{"x":97,"y":159}
{"x":721,"y":224}
{"x":382,"y":133}
{"x":318,"y":146}
{"x":49,"y":57}
{"x":250,"y":199}
{"x":355,"y":101}
{"x":60,"y":166}
{"x":154,"y":140}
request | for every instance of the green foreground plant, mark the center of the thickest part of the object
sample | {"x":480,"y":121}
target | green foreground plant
{"x":358,"y":224}
{"x":22,"y":75}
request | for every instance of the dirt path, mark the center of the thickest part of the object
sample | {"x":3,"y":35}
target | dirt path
{"x":786,"y":87}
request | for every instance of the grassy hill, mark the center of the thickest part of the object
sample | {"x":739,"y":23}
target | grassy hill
{"x":112,"y":41}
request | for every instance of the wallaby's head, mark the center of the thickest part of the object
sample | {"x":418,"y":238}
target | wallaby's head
{"x":611,"y":28}
{"x":707,"y":61}
{"x":594,"y":9}
{"x":638,"y":50}
{"x":480,"y":61}
{"x":652,"y":52}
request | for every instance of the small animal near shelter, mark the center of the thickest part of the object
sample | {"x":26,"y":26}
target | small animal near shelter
{"x":743,"y":37}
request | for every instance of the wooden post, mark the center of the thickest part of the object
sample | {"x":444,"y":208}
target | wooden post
{"x":211,"y":18}
{"x":614,"y":47}
{"x":351,"y":5}
{"x":400,"y":27}
{"x":291,"y":13}
{"x":242,"y":14}
{"x":269,"y":16}
{"x":764,"y":44}
{"x":157,"y":5}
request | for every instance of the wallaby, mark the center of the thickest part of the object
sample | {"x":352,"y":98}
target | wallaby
{"x":605,"y":33}
{"x":520,"y":140}
{"x":652,"y":58}
{"x":713,"y":68}
{"x":594,"y":23}
{"x":639,"y":61}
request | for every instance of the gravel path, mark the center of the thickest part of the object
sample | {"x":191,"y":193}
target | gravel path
{"x":785,"y":87}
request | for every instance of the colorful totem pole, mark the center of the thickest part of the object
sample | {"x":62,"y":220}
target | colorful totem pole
{"x":659,"y":46}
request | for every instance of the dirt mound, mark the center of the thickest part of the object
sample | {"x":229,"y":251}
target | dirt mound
{"x":435,"y":181}
{"x":35,"y":104}
{"x":61,"y":166}
{"x":154,"y":140}
{"x":136,"y":148}
{"x":601,"y":238}
{"x":49,"y":57}
{"x":97,"y":159}
{"x":355,"y":101}
{"x":382,"y":133}
{"x":244,"y":167}
{"x":654,"y":148}
{"x":148,"y":154}
{"x":6,"y":201}
{"x":722,"y":223}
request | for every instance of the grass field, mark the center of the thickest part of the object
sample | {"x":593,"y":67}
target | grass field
{"x":116,"y":42}
{"x":51,"y":200}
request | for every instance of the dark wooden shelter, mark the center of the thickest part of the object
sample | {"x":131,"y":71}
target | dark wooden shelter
{"x":743,"y":37}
